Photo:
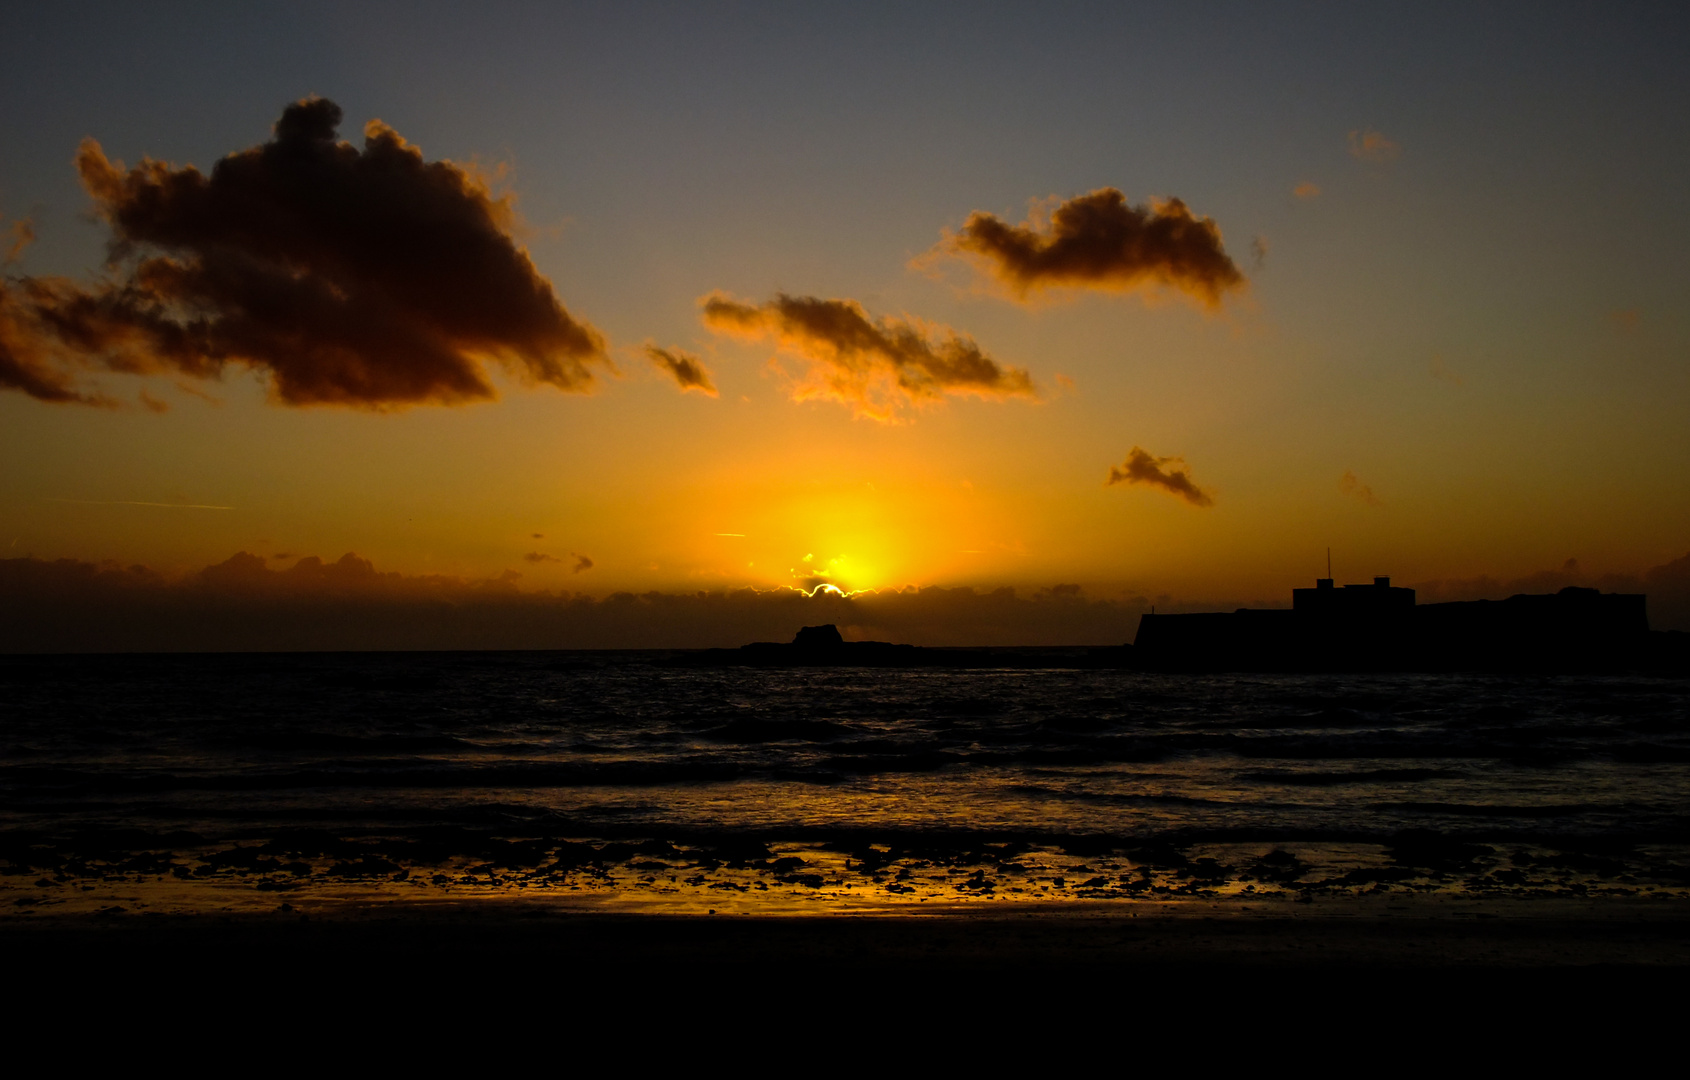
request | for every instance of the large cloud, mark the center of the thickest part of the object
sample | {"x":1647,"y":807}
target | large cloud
{"x":365,"y":277}
{"x":1100,"y":241}
{"x":877,"y":366}
{"x":1142,"y":467}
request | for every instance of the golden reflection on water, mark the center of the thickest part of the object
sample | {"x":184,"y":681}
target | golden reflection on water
{"x":813,"y":879}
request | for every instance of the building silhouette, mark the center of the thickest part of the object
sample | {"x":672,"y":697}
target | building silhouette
{"x":1379,"y":627}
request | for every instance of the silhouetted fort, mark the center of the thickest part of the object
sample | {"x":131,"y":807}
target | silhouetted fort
{"x":1375,"y":627}
{"x":1379,"y":627}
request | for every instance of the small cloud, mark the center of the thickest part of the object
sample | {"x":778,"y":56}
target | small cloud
{"x":1099,"y":241}
{"x":875,"y":365}
{"x":1308,"y":189}
{"x":687,"y":370}
{"x":541,"y":557}
{"x":1143,"y":468}
{"x":1625,"y":320}
{"x":1064,"y":383}
{"x":154,"y":404}
{"x":1441,"y":372}
{"x":1352,"y":486}
{"x":539,"y":536}
{"x":1372,"y":146}
{"x":282,"y":555}
{"x":1258,"y":253}
{"x":583,"y":563}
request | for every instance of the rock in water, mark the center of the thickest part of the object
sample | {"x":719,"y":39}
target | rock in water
{"x":819,"y":637}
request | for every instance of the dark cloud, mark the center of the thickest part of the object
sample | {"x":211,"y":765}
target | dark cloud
{"x":1485,"y":587}
{"x":875,"y":365}
{"x":1143,"y":468}
{"x":27,"y":362}
{"x":1667,"y":586}
{"x":241,"y":605}
{"x":687,"y":370}
{"x":363,"y":277}
{"x":540,"y":557}
{"x":581,"y":563}
{"x":1099,"y":241}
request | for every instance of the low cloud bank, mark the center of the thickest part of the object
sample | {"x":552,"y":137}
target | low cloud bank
{"x":1667,"y":586}
{"x":243,"y":605}
{"x":365,"y":277}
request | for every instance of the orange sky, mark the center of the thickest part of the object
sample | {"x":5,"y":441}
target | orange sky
{"x":1342,"y":315}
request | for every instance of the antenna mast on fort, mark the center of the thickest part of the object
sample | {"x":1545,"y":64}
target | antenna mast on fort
{"x":1328,"y":562}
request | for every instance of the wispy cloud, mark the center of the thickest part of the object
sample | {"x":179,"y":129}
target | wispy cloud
{"x":1352,"y":486}
{"x":581,"y":563}
{"x":15,"y":238}
{"x":1308,"y":189}
{"x":1368,"y":145}
{"x":877,"y":366}
{"x":687,"y":370}
{"x":1258,"y":253}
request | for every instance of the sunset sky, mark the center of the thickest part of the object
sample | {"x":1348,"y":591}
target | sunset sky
{"x":1157,"y":301}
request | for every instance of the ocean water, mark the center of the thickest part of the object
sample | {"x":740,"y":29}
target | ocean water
{"x":624,"y":781}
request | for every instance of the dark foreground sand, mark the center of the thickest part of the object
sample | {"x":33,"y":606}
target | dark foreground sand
{"x":847,"y":945}
{"x":1172,"y":979}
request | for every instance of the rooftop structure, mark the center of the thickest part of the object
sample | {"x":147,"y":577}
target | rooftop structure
{"x":1379,"y":627}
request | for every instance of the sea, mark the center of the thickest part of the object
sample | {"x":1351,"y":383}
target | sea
{"x":639,"y":782}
